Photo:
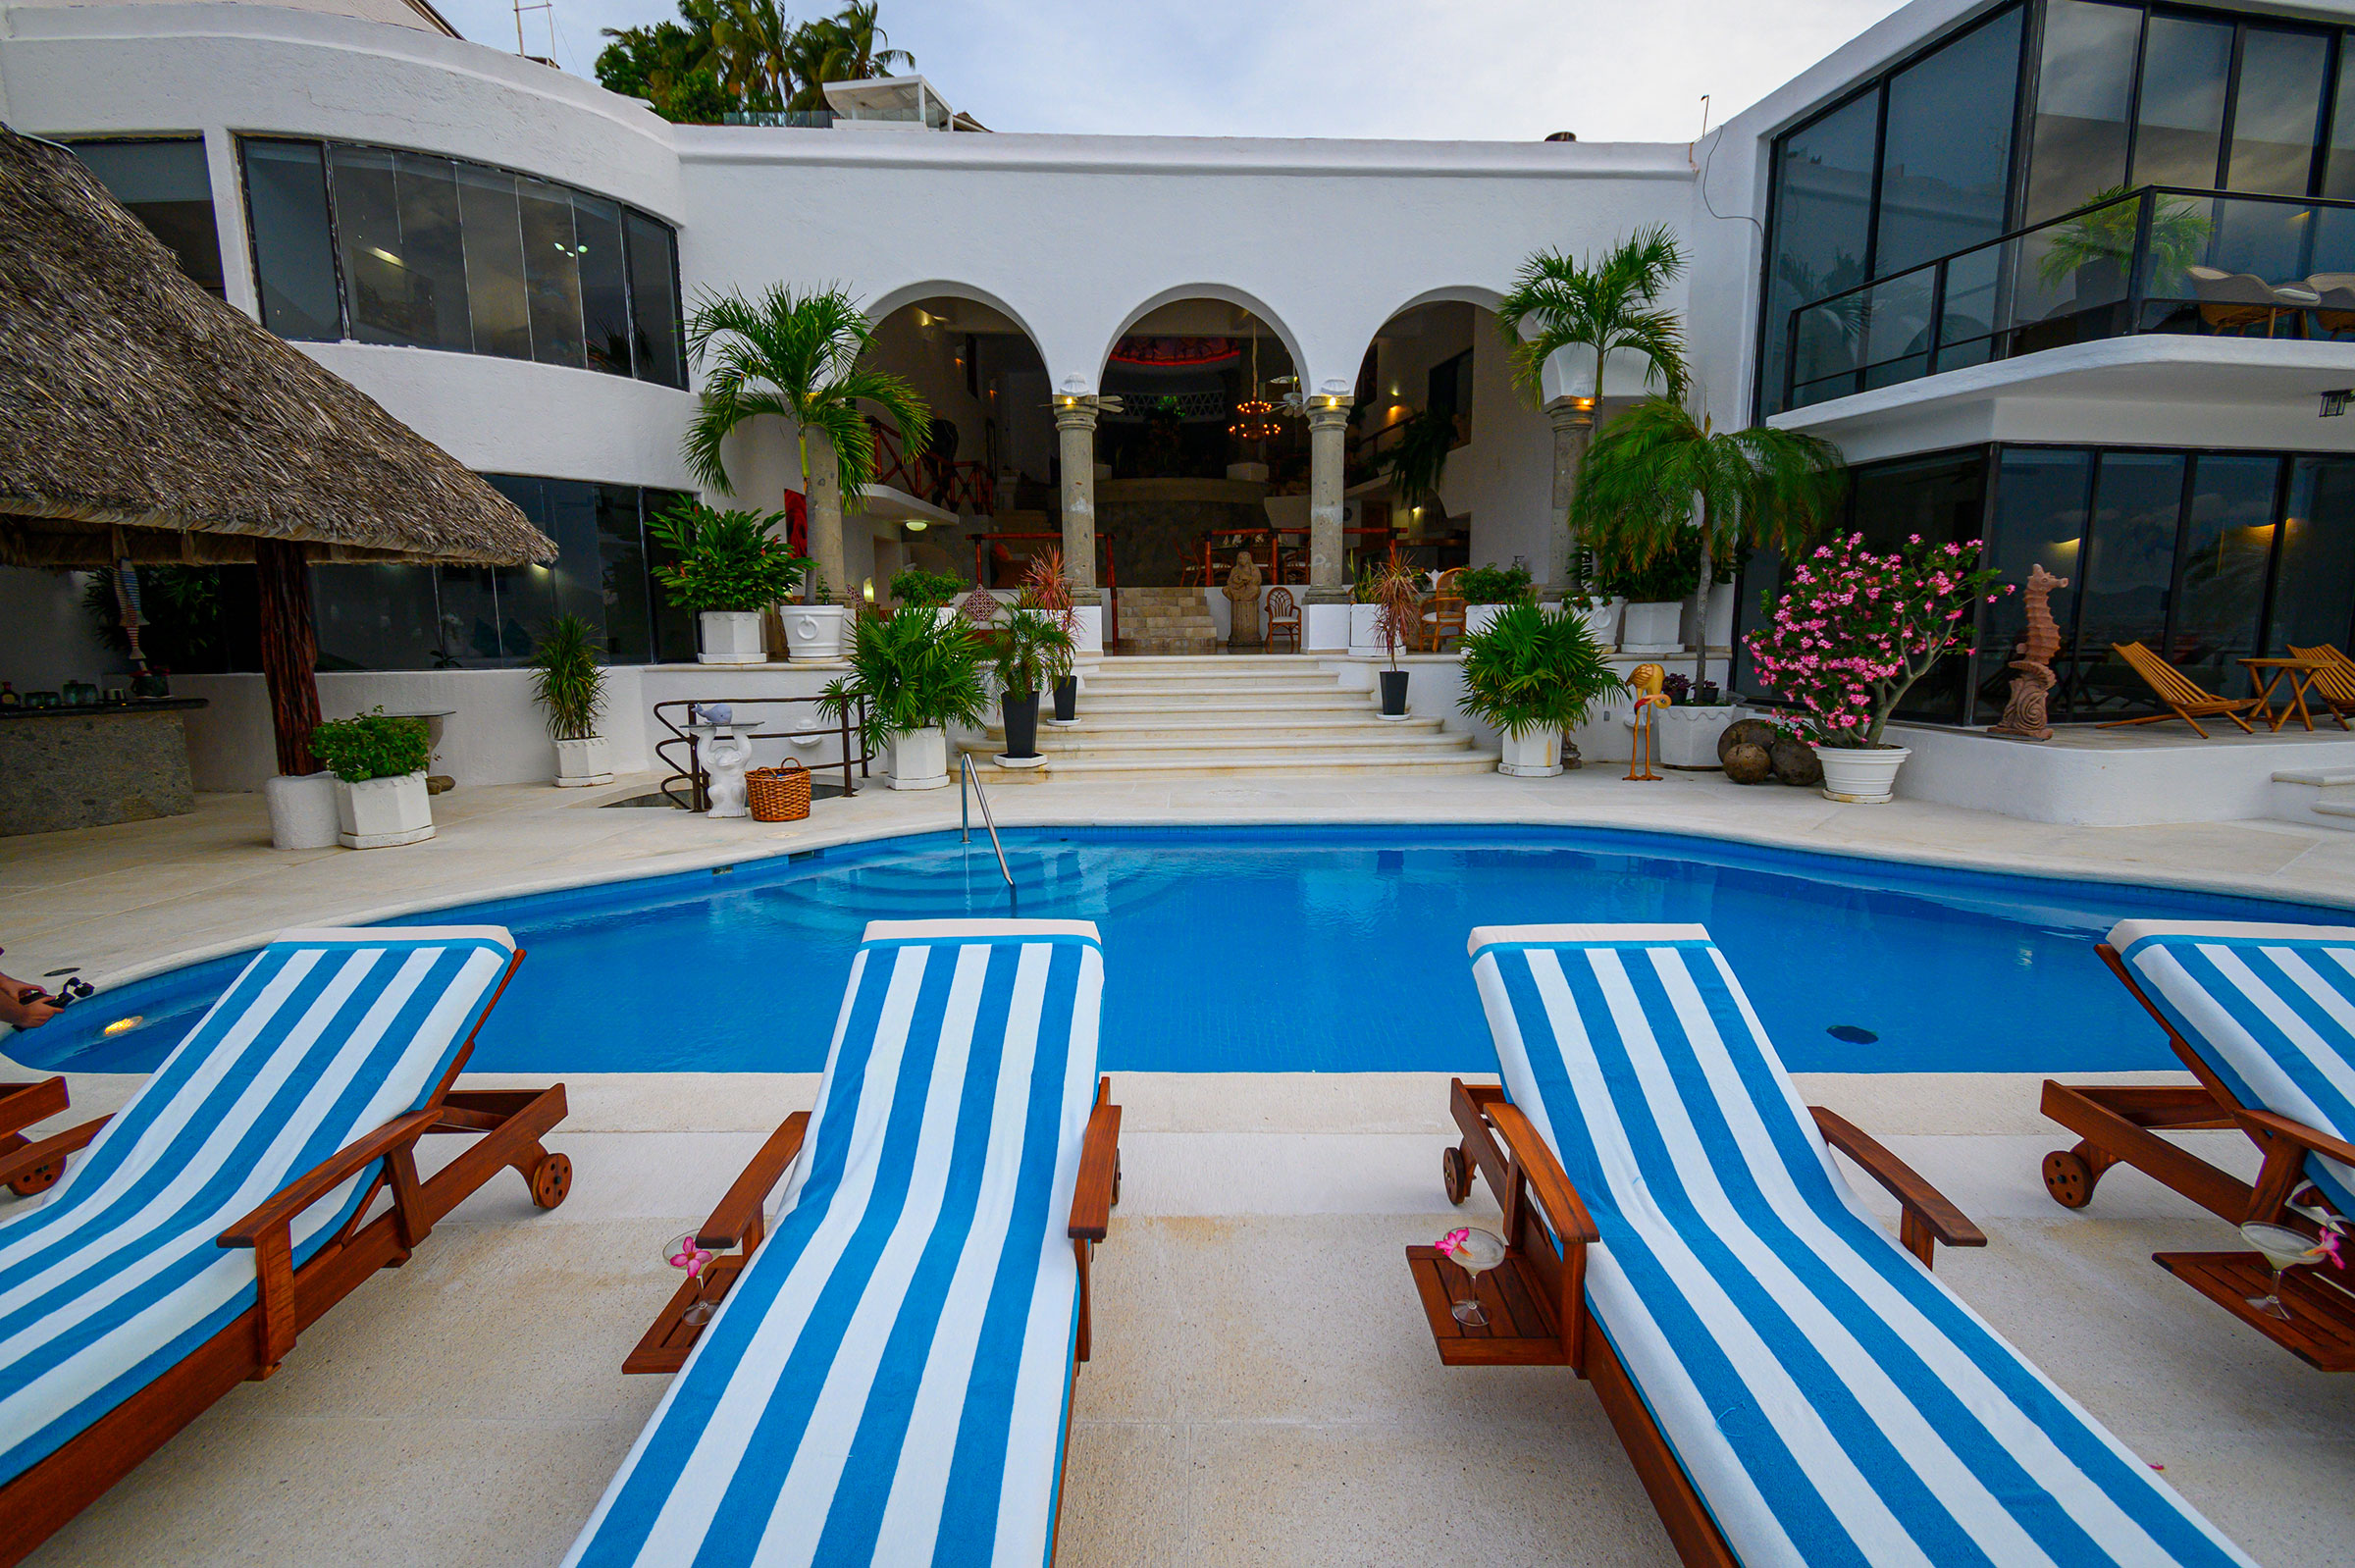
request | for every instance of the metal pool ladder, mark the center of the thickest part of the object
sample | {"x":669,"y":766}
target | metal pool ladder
{"x":968,"y":785}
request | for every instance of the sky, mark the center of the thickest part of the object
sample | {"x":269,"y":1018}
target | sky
{"x":1477,"y":70}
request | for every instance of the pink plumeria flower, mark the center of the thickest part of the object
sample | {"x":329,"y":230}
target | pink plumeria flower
{"x":1454,"y":1241}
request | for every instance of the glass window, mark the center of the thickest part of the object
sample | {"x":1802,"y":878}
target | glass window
{"x":1943,"y":500}
{"x":1945,"y":158}
{"x":496,"y":302}
{"x":552,"y":270}
{"x":167,"y":187}
{"x":2084,"y":89}
{"x":655,"y":300}
{"x":622,"y":577}
{"x":368,"y":235}
{"x":605,"y":284}
{"x":2314,"y":586}
{"x":293,"y":254}
{"x":674,"y":628}
{"x":376,"y":617}
{"x":2186,"y":66}
{"x":2339,"y":169}
{"x":433,"y":249}
{"x":2040,"y":502}
{"x":1823,"y":233}
{"x":469,"y":608}
{"x":2279,"y":110}
{"x":2220,"y":564}
{"x":2129,"y":576}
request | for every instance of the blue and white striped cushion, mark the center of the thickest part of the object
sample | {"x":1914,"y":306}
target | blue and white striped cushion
{"x":887,"y":1379}
{"x":116,"y":1274}
{"x":1831,"y":1400}
{"x":2271,"y":1008}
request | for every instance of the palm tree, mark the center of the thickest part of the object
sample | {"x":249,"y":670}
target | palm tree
{"x":752,"y":43}
{"x":846,"y":47}
{"x":796,"y":356}
{"x":1608,"y":304}
{"x":1659,"y":475}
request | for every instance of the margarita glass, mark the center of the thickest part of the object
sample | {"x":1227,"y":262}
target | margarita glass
{"x":1475,"y":1252}
{"x":2284,"y":1248}
{"x":685,"y":1252}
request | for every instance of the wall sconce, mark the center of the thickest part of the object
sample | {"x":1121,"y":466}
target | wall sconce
{"x":1584,"y":405}
{"x":867,"y":589}
{"x":916,"y":525}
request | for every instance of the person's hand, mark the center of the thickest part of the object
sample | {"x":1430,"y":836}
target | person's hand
{"x":24,"y":1015}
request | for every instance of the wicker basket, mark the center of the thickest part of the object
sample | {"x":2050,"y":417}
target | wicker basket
{"x":778,"y":794}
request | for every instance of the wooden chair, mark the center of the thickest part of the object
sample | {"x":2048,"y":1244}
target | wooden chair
{"x":1443,"y":612}
{"x":1781,"y":1373}
{"x":2256,"y":1012}
{"x":184,"y":1265}
{"x":2182,"y":698}
{"x":961,"y":1338}
{"x":2334,"y":683}
{"x":1283,"y":617}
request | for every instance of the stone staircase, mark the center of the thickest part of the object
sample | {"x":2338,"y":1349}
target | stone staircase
{"x":1166,"y":620}
{"x":1263,"y":717}
{"x":2304,"y":796}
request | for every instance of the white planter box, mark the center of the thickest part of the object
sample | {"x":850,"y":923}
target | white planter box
{"x":919,"y":760}
{"x":1652,"y":628}
{"x":1857,"y":774}
{"x":731,"y":637}
{"x":1365,"y":629}
{"x":380,"y":813}
{"x":1688,"y":736}
{"x":1478,"y":619}
{"x":815,"y":631}
{"x":302,"y":810}
{"x":579,"y":764}
{"x":1533,"y":753}
{"x":1603,"y":620}
{"x":1088,"y":630}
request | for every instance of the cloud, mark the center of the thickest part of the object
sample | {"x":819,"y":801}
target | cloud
{"x":1478,"y":70}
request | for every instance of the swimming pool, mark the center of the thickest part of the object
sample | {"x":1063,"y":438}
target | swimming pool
{"x":1286,"y":949}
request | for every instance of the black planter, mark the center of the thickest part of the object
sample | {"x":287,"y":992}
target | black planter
{"x":1067,"y":698}
{"x":1393,"y":693}
{"x":1021,"y":723}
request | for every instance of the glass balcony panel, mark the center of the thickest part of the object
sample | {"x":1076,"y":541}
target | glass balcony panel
{"x":1897,"y":320}
{"x":1970,"y":308}
{"x":1824,"y":355}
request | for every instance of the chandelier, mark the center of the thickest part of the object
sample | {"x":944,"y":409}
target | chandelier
{"x":1254,"y":420}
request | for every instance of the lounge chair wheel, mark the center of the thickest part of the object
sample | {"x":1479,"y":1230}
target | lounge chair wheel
{"x":1455,"y":1174}
{"x":551,"y":1180}
{"x":2069,"y":1178}
{"x":40,"y":1178}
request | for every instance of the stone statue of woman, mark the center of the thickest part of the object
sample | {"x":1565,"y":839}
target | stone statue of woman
{"x":1242,"y":602}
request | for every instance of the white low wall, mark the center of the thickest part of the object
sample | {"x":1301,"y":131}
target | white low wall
{"x":2114,"y":785}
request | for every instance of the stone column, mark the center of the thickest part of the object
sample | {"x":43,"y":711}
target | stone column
{"x":1573,"y":427}
{"x":1327,"y":430}
{"x":825,"y":515}
{"x":1076,"y":428}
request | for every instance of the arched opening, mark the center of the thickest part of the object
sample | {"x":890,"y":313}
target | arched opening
{"x":981,"y":500}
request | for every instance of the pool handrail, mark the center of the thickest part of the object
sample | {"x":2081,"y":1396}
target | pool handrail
{"x":969,"y":784}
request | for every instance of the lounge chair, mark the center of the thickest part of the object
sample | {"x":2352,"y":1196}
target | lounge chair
{"x":2182,"y":697}
{"x":887,"y":1377}
{"x":1443,"y":612}
{"x":1792,"y":1385}
{"x":2264,"y":1019}
{"x":2334,"y":683}
{"x":228,"y":1205}
{"x":2230,"y":300}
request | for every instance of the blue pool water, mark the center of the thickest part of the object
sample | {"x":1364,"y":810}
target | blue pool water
{"x":1330,"y":949}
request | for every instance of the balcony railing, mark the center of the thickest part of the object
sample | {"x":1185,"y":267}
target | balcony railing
{"x":2158,"y":259}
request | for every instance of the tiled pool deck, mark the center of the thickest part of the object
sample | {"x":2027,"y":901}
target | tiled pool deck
{"x":1263,"y":1389}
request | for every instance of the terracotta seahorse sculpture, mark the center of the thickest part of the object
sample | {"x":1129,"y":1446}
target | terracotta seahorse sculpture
{"x":2024,"y":713}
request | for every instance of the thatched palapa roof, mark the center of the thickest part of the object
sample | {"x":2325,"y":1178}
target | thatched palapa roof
{"x":130,"y":398}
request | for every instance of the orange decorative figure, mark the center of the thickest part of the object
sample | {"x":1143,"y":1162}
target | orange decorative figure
{"x":1647,"y":681}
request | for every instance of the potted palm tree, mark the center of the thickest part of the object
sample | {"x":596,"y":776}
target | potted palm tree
{"x":568,"y":682}
{"x":796,"y":356}
{"x":1587,"y":311}
{"x":1397,"y":591}
{"x":727,"y":568}
{"x":1534,"y":674}
{"x":379,"y":760}
{"x":914,"y":674}
{"x":1030,"y":654}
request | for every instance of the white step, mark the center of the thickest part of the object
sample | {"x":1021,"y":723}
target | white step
{"x":1256,"y":767}
{"x":2328,"y":793}
{"x":1337,"y":702}
{"x":1212,"y":750}
{"x":1100,"y":729}
{"x":1210,"y":693}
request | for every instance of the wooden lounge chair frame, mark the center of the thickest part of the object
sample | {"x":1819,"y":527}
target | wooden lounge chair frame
{"x":510,"y":1122}
{"x":2182,"y":697}
{"x":2334,"y":682}
{"x":1537,"y":1303}
{"x":2119,"y":1125}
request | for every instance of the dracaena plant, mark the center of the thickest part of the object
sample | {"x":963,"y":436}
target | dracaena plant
{"x":566,"y":679}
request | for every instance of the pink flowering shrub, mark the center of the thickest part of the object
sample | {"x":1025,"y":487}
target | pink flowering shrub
{"x":1855,"y":630}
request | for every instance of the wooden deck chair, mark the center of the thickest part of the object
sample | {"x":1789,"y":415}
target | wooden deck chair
{"x":1283,"y":618}
{"x":1793,"y":1384}
{"x":888,"y":1375}
{"x":2263,"y":1016}
{"x":2335,"y":683}
{"x":2182,"y":698}
{"x":231,"y":1203}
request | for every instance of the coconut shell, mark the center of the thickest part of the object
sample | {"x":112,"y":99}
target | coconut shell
{"x":1795,"y":763}
{"x":1744,"y":732}
{"x":1747,"y":764}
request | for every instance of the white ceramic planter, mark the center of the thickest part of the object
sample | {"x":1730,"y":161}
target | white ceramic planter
{"x":302,"y":810}
{"x":919,"y":760}
{"x":1533,"y":753}
{"x":1652,"y":628}
{"x":1478,"y":619}
{"x":815,"y":631}
{"x":1860,"y":775}
{"x":380,"y":813}
{"x":1688,"y":736}
{"x":1088,"y":628}
{"x":1365,"y":629}
{"x":1603,"y":620}
{"x":731,"y":637}
{"x":579,"y":764}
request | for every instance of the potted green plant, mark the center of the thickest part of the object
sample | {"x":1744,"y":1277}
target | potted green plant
{"x":913,"y":585}
{"x":1029,"y":654}
{"x":915,"y":674}
{"x":1398,"y":590}
{"x":1534,"y":674}
{"x":2096,"y":248}
{"x":727,"y":568}
{"x":1654,"y":593}
{"x":568,"y":682}
{"x":379,"y":761}
{"x":1044,"y":589}
{"x":1487,"y":589}
{"x":1365,"y":614}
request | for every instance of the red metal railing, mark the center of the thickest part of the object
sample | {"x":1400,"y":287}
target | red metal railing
{"x":1277,"y":555}
{"x":1108,"y":575}
{"x":928,"y":477}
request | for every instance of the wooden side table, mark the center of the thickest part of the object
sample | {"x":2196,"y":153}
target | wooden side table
{"x":2269,"y":673}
